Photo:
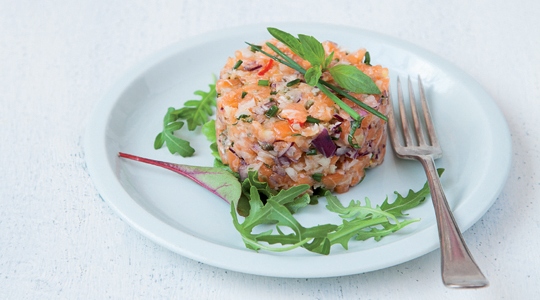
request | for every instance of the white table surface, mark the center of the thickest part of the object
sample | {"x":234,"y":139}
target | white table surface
{"x":59,"y":239}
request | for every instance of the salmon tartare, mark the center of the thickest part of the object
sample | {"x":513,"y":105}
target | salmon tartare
{"x":270,"y":120}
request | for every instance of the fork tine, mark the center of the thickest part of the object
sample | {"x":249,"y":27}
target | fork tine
{"x":403,"y":116}
{"x":392,"y":130}
{"x":427,"y":116}
{"x":414,"y":111}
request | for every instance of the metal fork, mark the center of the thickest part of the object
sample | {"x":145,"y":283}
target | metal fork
{"x":458,"y":268}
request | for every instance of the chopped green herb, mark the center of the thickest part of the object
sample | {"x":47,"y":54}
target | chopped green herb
{"x":311,"y":151}
{"x":245,"y":118}
{"x":267,"y":147}
{"x":263,"y":82}
{"x":293,"y":82}
{"x":255,"y":48}
{"x":311,"y":119}
{"x":367,"y":58}
{"x":317,"y":177}
{"x":273,"y":93}
{"x":237,"y":64}
{"x":244,"y":94}
{"x":354,"y":125}
{"x":272,"y":111}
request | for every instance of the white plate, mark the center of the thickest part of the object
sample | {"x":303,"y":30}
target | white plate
{"x":183,"y":217}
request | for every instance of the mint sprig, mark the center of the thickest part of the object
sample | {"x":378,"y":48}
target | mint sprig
{"x":309,"y":48}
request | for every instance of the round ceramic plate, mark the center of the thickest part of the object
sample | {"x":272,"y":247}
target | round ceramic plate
{"x":185,"y":218}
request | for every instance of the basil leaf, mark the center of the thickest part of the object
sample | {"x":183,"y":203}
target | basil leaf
{"x":313,"y":50}
{"x":288,"y":39}
{"x":328,"y":60}
{"x":313,"y":74}
{"x":351,"y":78}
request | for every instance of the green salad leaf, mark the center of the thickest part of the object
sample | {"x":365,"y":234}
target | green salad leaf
{"x":198,"y":112}
{"x":351,"y":78}
{"x":195,"y":113}
{"x":216,"y":180}
{"x":360,"y":221}
{"x":174,"y":143}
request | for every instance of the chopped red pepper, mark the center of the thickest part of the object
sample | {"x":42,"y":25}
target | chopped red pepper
{"x":292,"y":122}
{"x":266,"y":68}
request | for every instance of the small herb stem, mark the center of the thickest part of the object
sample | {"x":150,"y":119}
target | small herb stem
{"x":339,"y":102}
{"x":291,"y":62}
{"x":353,"y":99}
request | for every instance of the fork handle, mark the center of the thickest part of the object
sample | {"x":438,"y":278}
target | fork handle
{"x":459,"y":269}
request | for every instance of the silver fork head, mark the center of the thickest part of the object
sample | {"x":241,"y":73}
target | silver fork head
{"x":420,"y":145}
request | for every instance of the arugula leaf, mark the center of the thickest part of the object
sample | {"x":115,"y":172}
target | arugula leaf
{"x":194,"y":113}
{"x":356,"y":209}
{"x":412,"y":199}
{"x":354,"y":80}
{"x":198,"y":112}
{"x":350,"y":229}
{"x":359,"y":221}
{"x":174,"y":143}
{"x":209,"y":131}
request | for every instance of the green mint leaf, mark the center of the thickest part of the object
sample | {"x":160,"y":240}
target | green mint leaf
{"x":351,"y":78}
{"x":313,"y":50}
{"x":313,"y":74}
{"x":287,"y":39}
{"x":328,"y":60}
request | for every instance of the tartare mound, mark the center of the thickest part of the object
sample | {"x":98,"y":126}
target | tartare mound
{"x":269,"y":120}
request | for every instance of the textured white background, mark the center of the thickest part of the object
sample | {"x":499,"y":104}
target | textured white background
{"x":58,"y":239}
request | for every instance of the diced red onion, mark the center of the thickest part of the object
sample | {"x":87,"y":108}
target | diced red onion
{"x":252,"y":67}
{"x":339,"y":118}
{"x":324,"y":144}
